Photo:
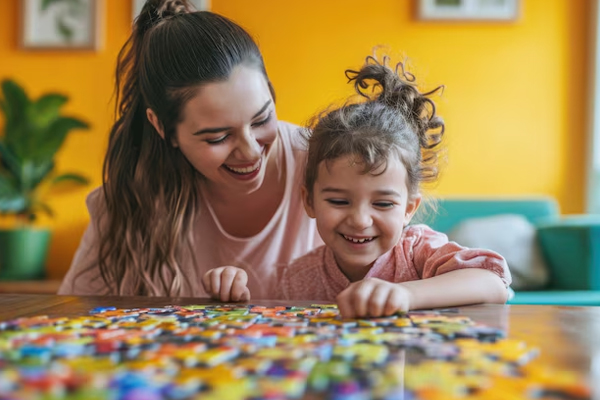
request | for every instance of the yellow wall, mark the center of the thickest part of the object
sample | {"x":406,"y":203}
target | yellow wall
{"x":514,"y":103}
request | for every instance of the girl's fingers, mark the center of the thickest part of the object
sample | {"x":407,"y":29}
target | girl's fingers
{"x":344,"y":303}
{"x":360,"y":298}
{"x":376,"y":301}
{"x":396,"y":301}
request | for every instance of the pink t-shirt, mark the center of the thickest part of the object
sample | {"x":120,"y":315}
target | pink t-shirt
{"x":288,"y":235}
{"x":421,"y":253}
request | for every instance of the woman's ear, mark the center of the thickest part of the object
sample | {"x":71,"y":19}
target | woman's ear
{"x":411,"y":208}
{"x":308,"y":202}
{"x":155,"y":122}
{"x":158,"y":126}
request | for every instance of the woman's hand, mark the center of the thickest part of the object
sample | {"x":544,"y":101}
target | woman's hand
{"x":373,"y":297}
{"x":227,"y":284}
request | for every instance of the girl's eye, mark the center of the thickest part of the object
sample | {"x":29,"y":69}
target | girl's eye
{"x":217,"y":141}
{"x":264,"y":121}
{"x":384,"y":204}
{"x":337,"y":202}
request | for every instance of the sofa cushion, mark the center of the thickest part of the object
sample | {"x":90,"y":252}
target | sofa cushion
{"x":451,"y":211}
{"x":512,"y":236}
{"x":572,"y":247}
{"x":578,"y":298}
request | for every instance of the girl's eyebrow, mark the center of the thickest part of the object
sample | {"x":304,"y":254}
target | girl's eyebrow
{"x":332,"y":190}
{"x":223,"y":129}
{"x":381,"y":192}
{"x":388,"y":192}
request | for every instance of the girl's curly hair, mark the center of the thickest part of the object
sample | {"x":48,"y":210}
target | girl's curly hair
{"x":391,"y":116}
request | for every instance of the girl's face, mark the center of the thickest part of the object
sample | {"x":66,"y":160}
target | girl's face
{"x":360,"y":216}
{"x":229,"y":129}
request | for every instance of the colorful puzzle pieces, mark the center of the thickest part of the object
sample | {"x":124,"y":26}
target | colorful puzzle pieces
{"x":256,"y":352}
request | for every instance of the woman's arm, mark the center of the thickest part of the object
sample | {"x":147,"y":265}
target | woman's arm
{"x":83,"y":276}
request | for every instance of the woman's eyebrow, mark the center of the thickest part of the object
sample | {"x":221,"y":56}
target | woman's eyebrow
{"x":226,"y":128}
{"x":262,"y":110}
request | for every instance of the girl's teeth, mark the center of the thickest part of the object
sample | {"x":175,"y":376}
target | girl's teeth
{"x":363,"y":240}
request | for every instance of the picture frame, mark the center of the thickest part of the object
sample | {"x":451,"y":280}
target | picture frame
{"x":61,"y":24}
{"x":137,"y":5}
{"x":468,"y":10}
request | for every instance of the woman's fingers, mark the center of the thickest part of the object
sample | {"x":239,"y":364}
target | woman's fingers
{"x":207,"y":283}
{"x":239,"y":288}
{"x":227,"y":277}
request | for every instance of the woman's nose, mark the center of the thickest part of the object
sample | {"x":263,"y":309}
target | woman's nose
{"x":249,"y":148}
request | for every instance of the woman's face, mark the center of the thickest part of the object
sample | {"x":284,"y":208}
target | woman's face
{"x":229,"y":129}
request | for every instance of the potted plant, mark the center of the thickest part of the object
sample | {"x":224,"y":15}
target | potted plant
{"x":34,"y":130}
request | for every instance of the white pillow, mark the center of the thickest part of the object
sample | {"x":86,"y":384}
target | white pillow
{"x":513,"y":237}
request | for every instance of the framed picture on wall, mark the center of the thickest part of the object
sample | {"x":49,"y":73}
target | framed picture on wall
{"x":200,"y":5}
{"x":468,"y":10}
{"x":61,"y":24}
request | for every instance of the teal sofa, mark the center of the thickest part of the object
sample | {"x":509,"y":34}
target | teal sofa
{"x":570,"y":245}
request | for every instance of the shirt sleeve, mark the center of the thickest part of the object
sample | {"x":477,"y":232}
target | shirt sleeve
{"x":83,"y":277}
{"x":314,"y":276}
{"x":433,"y":254}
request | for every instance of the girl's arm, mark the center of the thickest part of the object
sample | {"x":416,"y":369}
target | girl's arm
{"x":374,"y":297}
{"x":456,"y":288}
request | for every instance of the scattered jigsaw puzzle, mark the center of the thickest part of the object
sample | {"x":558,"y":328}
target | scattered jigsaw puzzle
{"x":256,"y":352}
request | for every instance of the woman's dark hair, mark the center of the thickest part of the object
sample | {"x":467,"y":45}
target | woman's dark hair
{"x":149,"y":187}
{"x":390,"y":117}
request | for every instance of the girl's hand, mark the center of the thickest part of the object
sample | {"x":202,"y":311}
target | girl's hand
{"x":373,"y":297}
{"x":227,"y":284}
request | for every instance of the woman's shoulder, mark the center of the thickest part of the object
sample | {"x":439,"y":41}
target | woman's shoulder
{"x":95,"y":202}
{"x":292,"y":133}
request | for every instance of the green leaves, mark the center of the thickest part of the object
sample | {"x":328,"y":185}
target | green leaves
{"x":34,"y":132}
{"x":53,"y":137}
{"x":73,"y":178}
{"x":48,"y":3}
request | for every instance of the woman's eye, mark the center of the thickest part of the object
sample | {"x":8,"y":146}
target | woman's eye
{"x":337,"y":202}
{"x":384,"y":204}
{"x":217,"y":141}
{"x":264,"y":121}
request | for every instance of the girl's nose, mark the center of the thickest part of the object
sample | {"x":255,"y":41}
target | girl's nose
{"x":360,"y":218}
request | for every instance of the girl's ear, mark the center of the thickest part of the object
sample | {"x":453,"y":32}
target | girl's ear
{"x":411,"y":208}
{"x":308,"y":202}
{"x":157,"y":125}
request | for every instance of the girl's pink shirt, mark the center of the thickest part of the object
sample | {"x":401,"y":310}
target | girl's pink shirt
{"x":421,"y":253}
{"x":289,"y":234}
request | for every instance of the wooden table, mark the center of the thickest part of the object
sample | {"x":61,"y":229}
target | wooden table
{"x":568,"y":337}
{"x":43,"y":286}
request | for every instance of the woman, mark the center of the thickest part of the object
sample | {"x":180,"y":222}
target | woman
{"x":199,"y":173}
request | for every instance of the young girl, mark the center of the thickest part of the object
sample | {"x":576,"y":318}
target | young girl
{"x":366,"y":161}
{"x":198,"y":173}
